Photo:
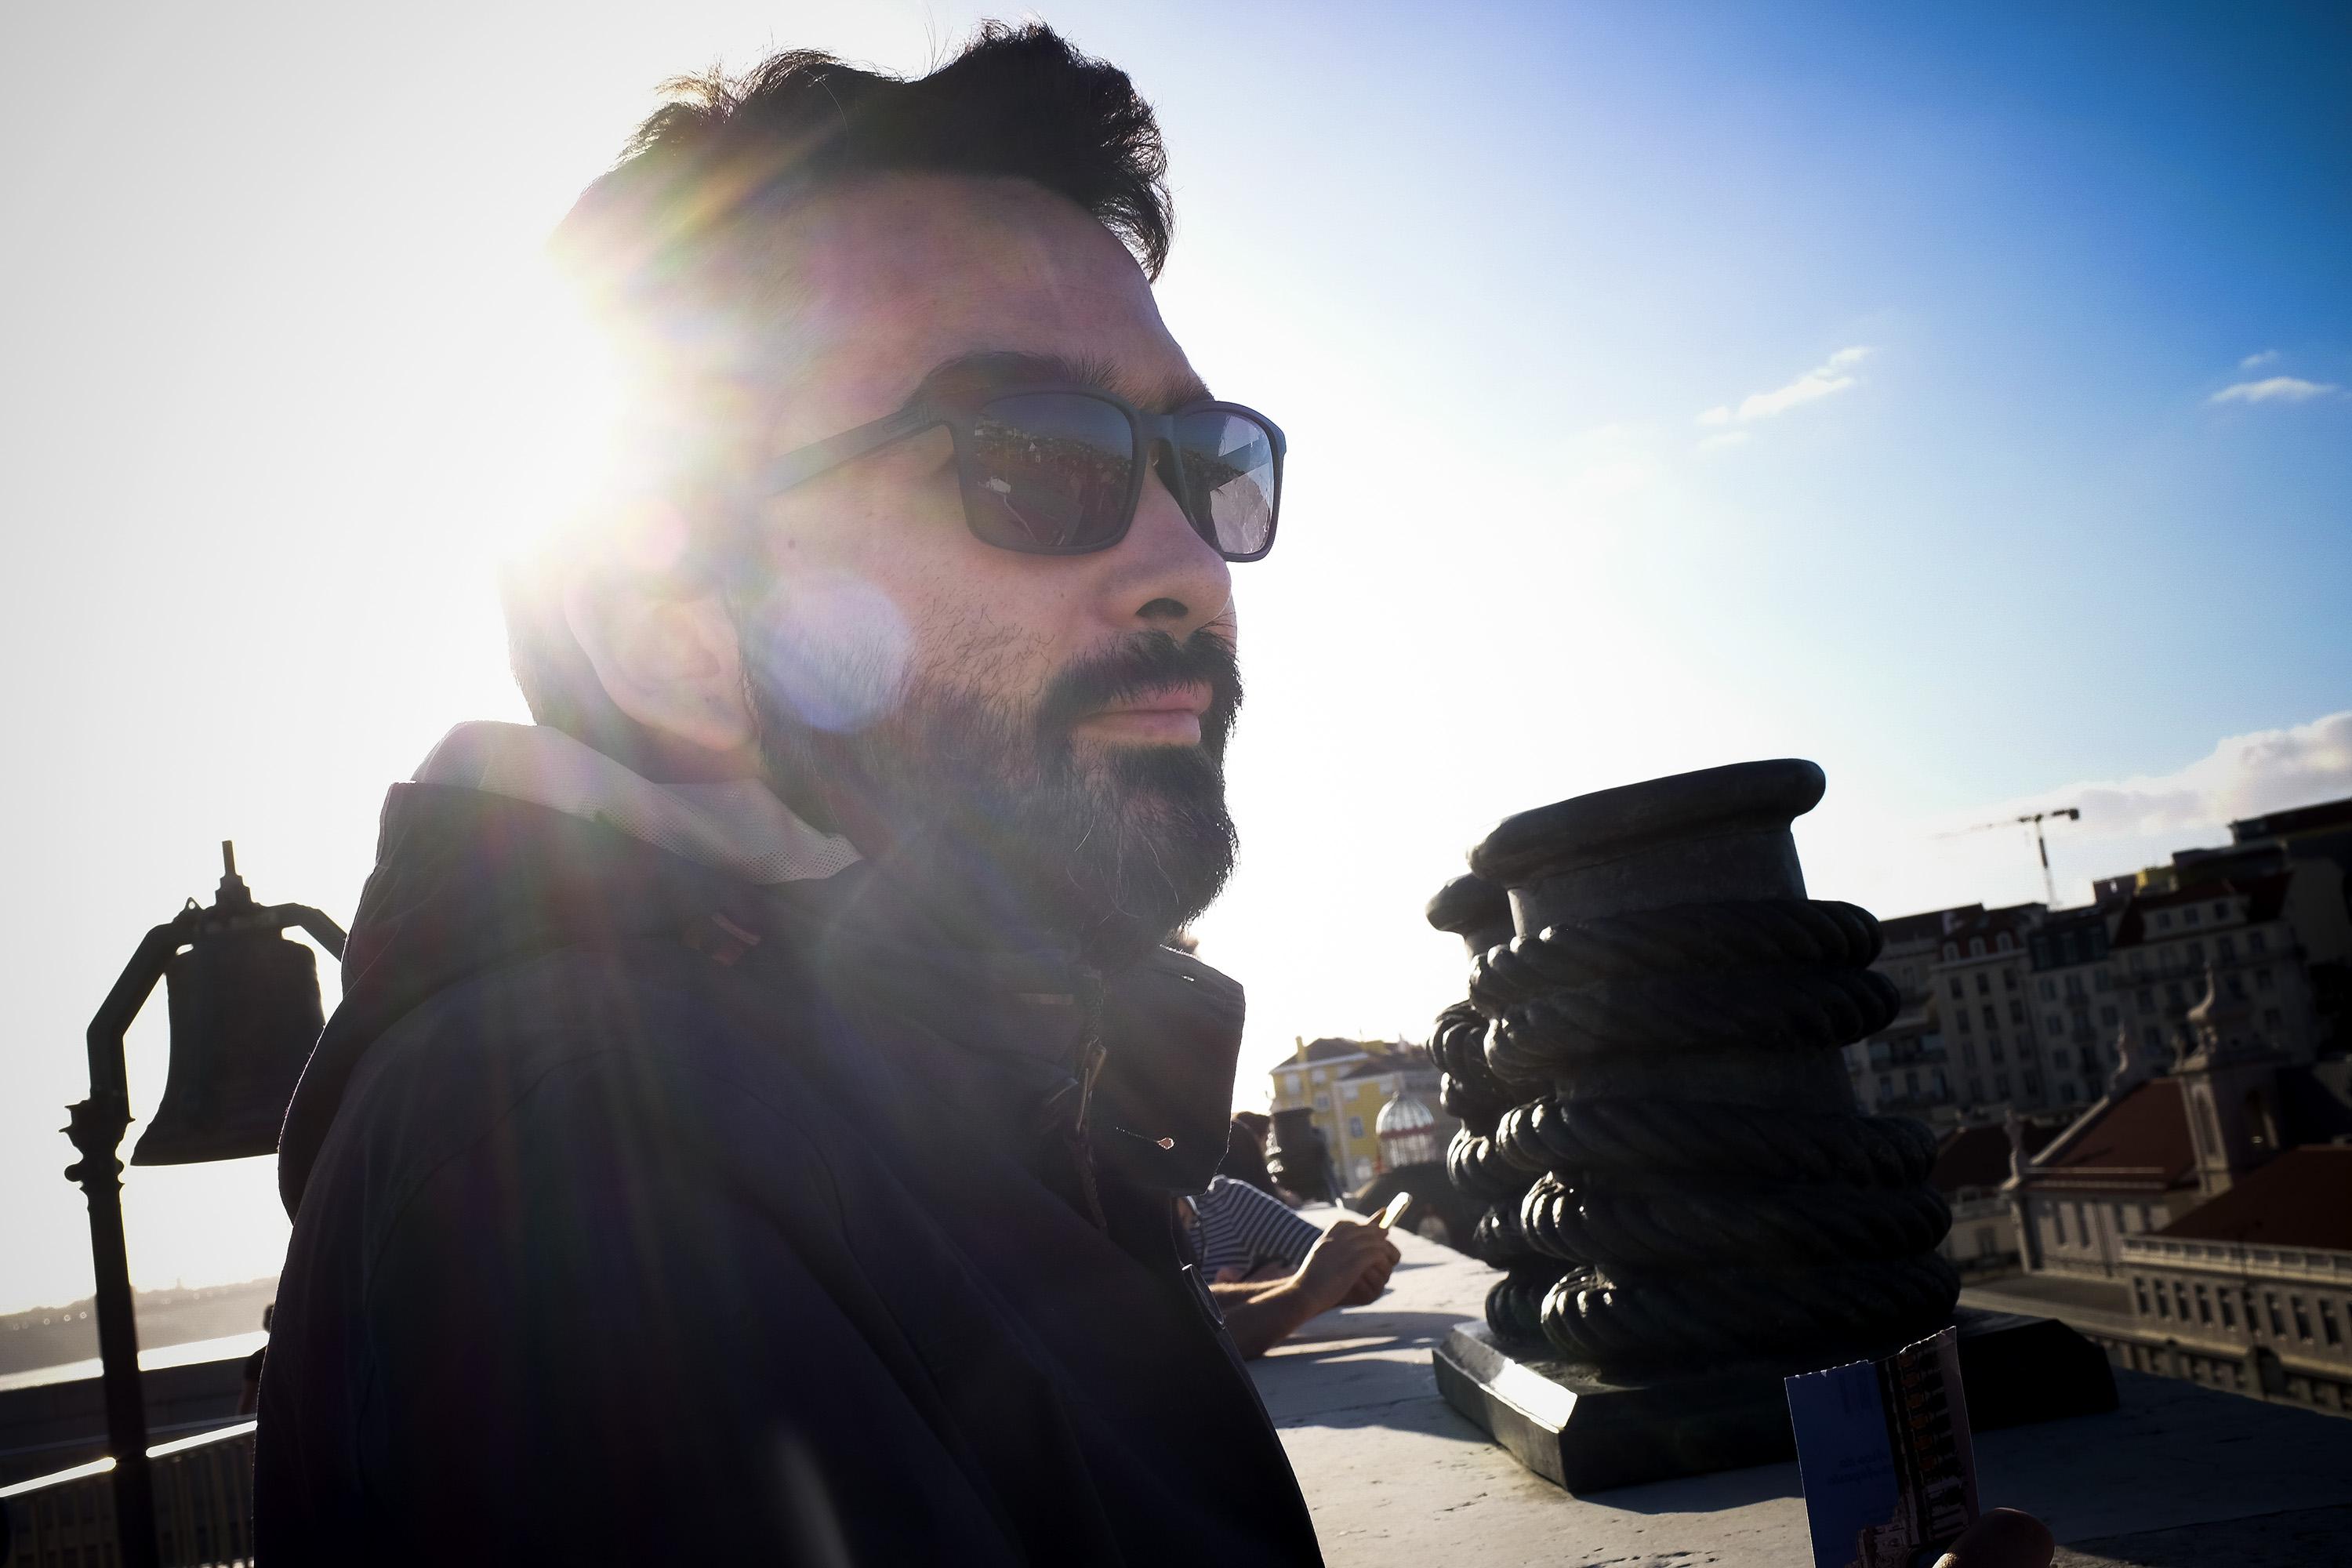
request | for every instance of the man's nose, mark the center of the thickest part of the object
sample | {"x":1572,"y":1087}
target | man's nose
{"x":1163,"y":575}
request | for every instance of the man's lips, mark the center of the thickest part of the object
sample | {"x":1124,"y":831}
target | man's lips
{"x":1169,"y":717}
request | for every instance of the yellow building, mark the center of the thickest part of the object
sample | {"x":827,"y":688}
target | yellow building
{"x":1345,"y":1083}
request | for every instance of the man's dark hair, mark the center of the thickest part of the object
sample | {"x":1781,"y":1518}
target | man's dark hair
{"x":670,"y":244}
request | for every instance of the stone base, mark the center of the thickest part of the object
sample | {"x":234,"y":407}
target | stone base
{"x":1587,"y":1434}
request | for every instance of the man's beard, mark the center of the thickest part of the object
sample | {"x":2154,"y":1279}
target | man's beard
{"x":1114,"y":846}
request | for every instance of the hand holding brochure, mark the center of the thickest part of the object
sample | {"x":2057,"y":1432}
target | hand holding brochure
{"x":1883,"y":1447}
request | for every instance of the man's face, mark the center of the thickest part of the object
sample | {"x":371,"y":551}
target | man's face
{"x":1063,"y":716}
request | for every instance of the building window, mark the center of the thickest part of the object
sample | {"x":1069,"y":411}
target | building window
{"x":2140,"y":1288}
{"x":2327,"y":1323}
{"x":2152,"y":1038}
{"x":1355,"y":1127}
{"x":2220,"y":911}
{"x":2000,"y":1084}
{"x":2229,"y":1313}
{"x":2278,"y":1324}
{"x":1290,"y":1080}
{"x":1992,"y":1018}
{"x":2189,"y":915}
{"x":1886,"y":1087}
{"x":2099,"y":978}
{"x":2016,"y":1011}
{"x":2033,"y":1083}
{"x":2164,"y":919}
{"x":1363,"y":1169}
{"x":2009,"y":979}
{"x":1976,"y":947}
{"x":1323,"y":1100}
{"x":2073,"y":985}
{"x":2049,"y":991}
{"x":2003,"y":942}
{"x":2204,"y":1306}
{"x":2228,"y":948}
{"x":1976,"y":1090}
{"x":2271,"y":1019}
{"x":1968,"y":1053}
{"x":2147,"y":1217}
{"x":2261,"y":979}
{"x":2145,"y":1000}
{"x":1993,"y":1050}
{"x":2256,"y":942}
{"x":1911,"y":1083}
{"x":2053,"y":1024}
{"x":2163,"y":1301}
{"x":1952,"y":950}
{"x":1989,"y":1244}
{"x":2058,"y":1058}
{"x":2196,"y":950}
{"x":2066,"y":1092}
{"x":1317,"y":1075}
{"x":1963,"y":1016}
{"x":2180,"y":1298}
{"x":1984,"y":984}
{"x":2302,"y":1319}
{"x":2109,"y":1017}
{"x":2082,"y":1226}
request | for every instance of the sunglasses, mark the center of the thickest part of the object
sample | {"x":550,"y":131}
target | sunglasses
{"x":1059,"y":469}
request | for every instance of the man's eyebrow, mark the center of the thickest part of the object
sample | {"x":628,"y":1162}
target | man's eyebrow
{"x":996,"y":368}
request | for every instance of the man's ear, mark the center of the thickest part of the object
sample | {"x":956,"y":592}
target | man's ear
{"x":672,"y":663}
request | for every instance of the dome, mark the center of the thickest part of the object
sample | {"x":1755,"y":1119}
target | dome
{"x":1405,"y":1114}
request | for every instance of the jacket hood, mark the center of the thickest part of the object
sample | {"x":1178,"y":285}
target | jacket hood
{"x":466,"y":882}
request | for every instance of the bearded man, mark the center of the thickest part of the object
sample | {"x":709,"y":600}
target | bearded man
{"x":753,"y":1127}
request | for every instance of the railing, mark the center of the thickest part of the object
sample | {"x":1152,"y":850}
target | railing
{"x":2278,"y":1262}
{"x":203,"y":1507}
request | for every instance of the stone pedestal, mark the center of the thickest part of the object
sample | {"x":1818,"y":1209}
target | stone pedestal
{"x":1586,"y":1431}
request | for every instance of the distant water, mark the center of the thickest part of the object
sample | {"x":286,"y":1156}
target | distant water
{"x":186,"y":1354}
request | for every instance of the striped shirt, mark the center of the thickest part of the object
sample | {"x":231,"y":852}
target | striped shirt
{"x":1238,"y":1226}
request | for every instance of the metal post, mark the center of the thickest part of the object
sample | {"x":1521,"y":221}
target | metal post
{"x":96,"y":1129}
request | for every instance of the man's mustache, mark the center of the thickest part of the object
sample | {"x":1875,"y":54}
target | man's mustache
{"x":1140,"y":665}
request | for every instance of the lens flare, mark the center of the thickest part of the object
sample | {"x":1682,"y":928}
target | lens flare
{"x":834,"y":647}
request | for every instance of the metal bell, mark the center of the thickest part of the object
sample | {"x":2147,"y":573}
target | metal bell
{"x":244,"y":1014}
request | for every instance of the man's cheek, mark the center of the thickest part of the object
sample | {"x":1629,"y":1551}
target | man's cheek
{"x":832,"y":647}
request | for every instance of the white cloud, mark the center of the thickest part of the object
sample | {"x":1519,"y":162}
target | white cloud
{"x":2278,"y":389}
{"x":1722,"y":442}
{"x":2251,"y":360}
{"x":1833,"y":375}
{"x":2245,"y":775}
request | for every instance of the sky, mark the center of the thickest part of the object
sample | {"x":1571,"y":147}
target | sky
{"x":1960,"y":397}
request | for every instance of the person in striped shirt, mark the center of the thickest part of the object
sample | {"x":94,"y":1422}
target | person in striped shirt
{"x":1270,"y":1271}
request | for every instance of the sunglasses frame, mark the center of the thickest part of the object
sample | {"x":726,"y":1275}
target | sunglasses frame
{"x":960,"y":412}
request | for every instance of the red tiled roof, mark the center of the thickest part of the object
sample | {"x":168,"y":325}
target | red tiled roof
{"x":2303,"y":1198}
{"x":1979,"y":1156}
{"x":2139,"y":1143}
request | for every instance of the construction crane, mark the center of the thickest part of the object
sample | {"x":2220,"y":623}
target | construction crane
{"x":2072,"y":813}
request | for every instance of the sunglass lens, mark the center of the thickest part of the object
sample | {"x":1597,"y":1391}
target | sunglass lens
{"x":1053,"y":471}
{"x":1229,"y":472}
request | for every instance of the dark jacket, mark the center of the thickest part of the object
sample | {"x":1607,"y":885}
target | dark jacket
{"x":621,"y":1236}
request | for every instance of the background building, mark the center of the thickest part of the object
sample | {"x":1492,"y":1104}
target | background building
{"x":1345,"y":1083}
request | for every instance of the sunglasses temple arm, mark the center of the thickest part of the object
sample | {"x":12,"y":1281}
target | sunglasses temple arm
{"x":804,"y":463}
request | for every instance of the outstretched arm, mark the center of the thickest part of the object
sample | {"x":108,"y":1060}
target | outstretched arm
{"x":1349,"y":1266}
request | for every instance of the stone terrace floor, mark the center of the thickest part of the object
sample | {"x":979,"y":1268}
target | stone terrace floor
{"x":2179,"y":1475}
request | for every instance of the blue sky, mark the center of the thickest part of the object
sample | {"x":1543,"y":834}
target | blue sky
{"x":1980,"y":525}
